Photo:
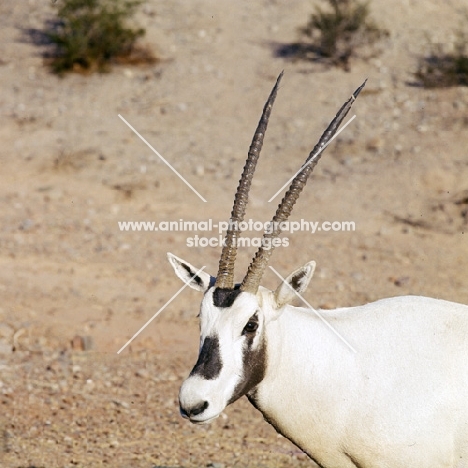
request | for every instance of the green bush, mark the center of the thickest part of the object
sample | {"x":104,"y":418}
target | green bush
{"x":442,"y":69}
{"x":90,"y":34}
{"x":338,"y":32}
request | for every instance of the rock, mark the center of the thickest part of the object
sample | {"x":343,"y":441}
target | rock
{"x":400,"y":281}
{"x":422,"y":128}
{"x":143,"y":373}
{"x":375,"y":144}
{"x":82,"y":343}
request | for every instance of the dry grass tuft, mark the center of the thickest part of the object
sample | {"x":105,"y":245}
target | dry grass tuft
{"x":90,"y":35}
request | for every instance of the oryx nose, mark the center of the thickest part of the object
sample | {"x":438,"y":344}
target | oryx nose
{"x":194,"y":410}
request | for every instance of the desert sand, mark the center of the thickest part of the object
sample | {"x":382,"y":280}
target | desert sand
{"x":74,"y":288}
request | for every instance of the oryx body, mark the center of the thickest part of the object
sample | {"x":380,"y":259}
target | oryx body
{"x":383,"y":385}
{"x":401,"y":400}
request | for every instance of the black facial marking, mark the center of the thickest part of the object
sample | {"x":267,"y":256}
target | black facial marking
{"x":225,"y":297}
{"x":254,"y":365}
{"x":195,"y":278}
{"x":296,"y":280}
{"x":209,"y":362}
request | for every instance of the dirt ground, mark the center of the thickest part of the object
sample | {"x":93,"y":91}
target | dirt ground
{"x":74,"y":288}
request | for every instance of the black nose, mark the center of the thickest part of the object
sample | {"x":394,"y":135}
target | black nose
{"x":198,"y":409}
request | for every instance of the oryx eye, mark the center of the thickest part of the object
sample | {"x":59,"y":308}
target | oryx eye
{"x":251,"y":326}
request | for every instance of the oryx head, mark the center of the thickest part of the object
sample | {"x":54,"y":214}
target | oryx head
{"x":233,"y":317}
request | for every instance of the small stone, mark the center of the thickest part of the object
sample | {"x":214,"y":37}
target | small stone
{"x":82,"y":343}
{"x":422,"y":128}
{"x":375,"y":144}
{"x":143,"y":373}
{"x":400,"y":281}
{"x":122,"y":404}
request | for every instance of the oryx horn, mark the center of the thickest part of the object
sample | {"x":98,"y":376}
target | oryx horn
{"x":255,"y":271}
{"x":225,"y":276}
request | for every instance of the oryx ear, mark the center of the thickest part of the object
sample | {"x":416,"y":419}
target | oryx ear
{"x":196,"y":279}
{"x":296,"y":281}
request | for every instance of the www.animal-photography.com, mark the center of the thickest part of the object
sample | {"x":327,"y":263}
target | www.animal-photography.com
{"x":234,"y":234}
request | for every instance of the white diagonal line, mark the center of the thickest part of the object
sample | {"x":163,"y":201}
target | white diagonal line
{"x":310,"y":160}
{"x":159,"y":311}
{"x":316,"y":312}
{"x":162,"y":159}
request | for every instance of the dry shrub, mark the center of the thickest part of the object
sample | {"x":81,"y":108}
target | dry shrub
{"x":336,"y":34}
{"x":89,"y":35}
{"x":443,"y":69}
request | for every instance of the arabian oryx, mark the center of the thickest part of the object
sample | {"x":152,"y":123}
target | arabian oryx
{"x":399,"y":399}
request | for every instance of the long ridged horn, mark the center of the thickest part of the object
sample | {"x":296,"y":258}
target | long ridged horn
{"x":255,"y":271}
{"x":225,"y":277}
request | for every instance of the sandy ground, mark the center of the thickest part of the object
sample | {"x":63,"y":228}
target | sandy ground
{"x":71,"y":170}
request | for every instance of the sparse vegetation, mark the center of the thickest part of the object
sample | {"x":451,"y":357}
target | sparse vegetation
{"x":89,"y":35}
{"x":76,"y":160}
{"x":337,"y":32}
{"x":442,"y":68}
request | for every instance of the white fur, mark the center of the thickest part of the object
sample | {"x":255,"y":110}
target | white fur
{"x":400,"y":401}
{"x":229,"y":328}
